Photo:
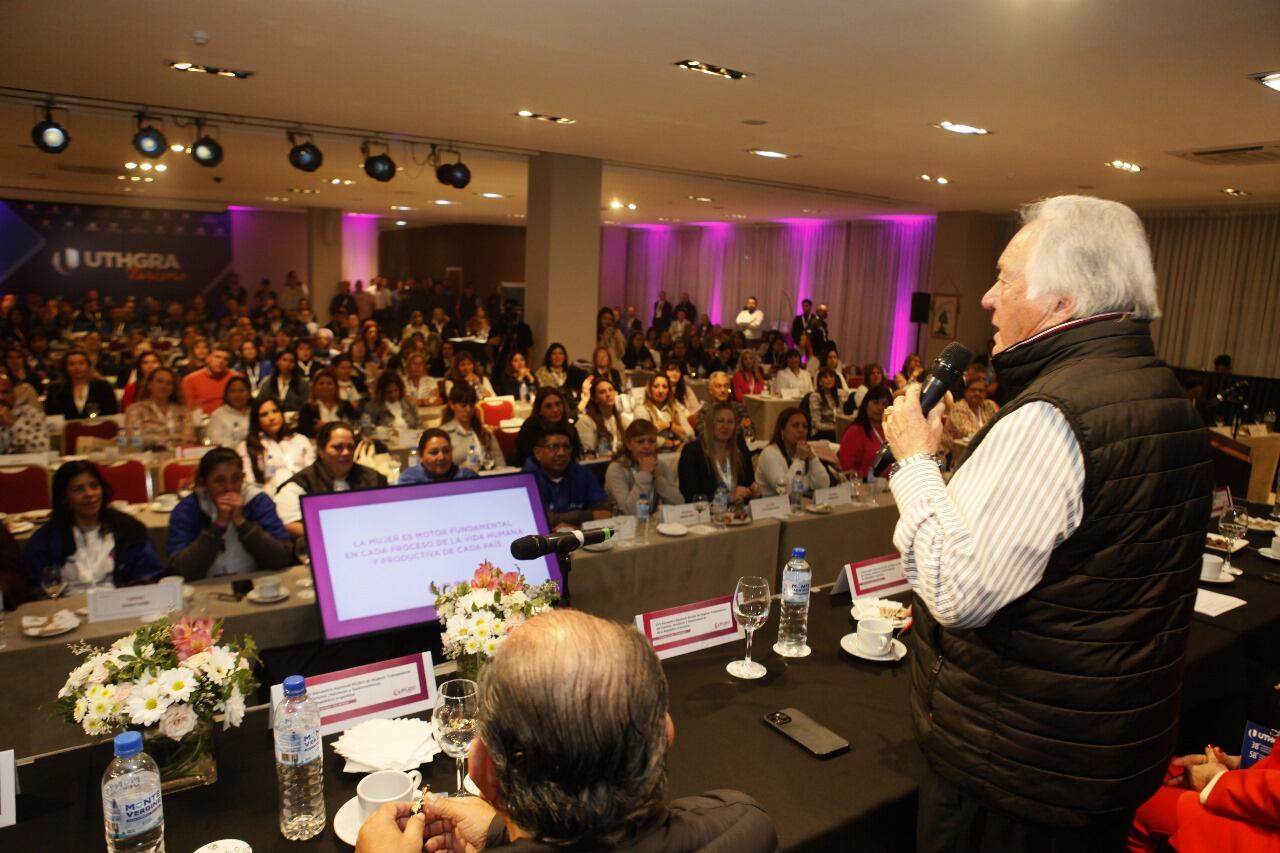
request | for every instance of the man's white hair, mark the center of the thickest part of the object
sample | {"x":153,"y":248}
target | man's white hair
{"x":1093,"y":250}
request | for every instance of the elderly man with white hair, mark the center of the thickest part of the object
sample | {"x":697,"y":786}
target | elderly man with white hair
{"x":1057,"y":569}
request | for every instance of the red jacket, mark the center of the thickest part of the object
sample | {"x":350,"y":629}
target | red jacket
{"x":744,"y":384}
{"x":1242,"y":813}
{"x":858,"y":450}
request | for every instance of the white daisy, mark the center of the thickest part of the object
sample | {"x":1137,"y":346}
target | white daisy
{"x":146,"y":704}
{"x":178,"y":683}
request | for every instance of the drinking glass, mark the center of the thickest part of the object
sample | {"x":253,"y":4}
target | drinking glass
{"x":751,"y":603}
{"x":53,"y":580}
{"x":1234,"y":524}
{"x":92,"y":409}
{"x":457,"y":703}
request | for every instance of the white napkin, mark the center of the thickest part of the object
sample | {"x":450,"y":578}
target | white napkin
{"x":1212,"y":603}
{"x":60,"y":621}
{"x":400,"y":744}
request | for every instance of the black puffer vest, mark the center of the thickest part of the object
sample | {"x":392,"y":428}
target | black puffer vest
{"x":1063,"y":709}
{"x":316,"y":480}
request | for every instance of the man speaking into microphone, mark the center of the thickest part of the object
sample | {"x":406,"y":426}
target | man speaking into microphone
{"x":1057,"y":571}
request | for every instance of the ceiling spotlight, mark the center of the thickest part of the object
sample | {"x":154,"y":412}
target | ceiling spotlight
{"x":1270,"y":79}
{"x":49,"y":136}
{"x":631,"y":206}
{"x":456,"y":175}
{"x":206,"y":150}
{"x":148,"y":141}
{"x":177,"y":147}
{"x":401,"y":207}
{"x":146,"y":167}
{"x":941,"y":180}
{"x":771,"y":155}
{"x":161,"y":167}
{"x":443,"y":202}
{"x":491,"y":195}
{"x":209,"y":69}
{"x":1236,"y":192}
{"x":401,"y":223}
{"x":544,"y":117}
{"x":1125,"y":166}
{"x":615,"y":204}
{"x":131,"y":165}
{"x":304,"y":156}
{"x":702,"y":198}
{"x":380,"y":167}
{"x":965,"y":129}
{"x":713,"y":70}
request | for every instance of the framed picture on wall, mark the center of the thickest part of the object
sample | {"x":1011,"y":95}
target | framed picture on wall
{"x":942,"y":316}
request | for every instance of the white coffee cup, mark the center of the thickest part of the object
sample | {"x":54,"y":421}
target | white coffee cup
{"x":267,"y":587}
{"x":1275,"y":544}
{"x":875,"y":636}
{"x":386,"y":786}
{"x":1210,"y":567}
{"x":168,"y":500}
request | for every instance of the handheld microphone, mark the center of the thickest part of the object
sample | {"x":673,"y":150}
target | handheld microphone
{"x":535,"y":546}
{"x":1232,"y":391}
{"x":946,"y":371}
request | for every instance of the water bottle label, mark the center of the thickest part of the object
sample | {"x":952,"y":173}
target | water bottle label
{"x":294,"y":748}
{"x":795,"y":587}
{"x":132,"y":805}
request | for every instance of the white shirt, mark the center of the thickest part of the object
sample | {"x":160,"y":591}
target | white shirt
{"x":289,"y":504}
{"x":774,"y":474}
{"x":797,"y":384}
{"x":751,"y":323}
{"x":94,"y":560}
{"x":971,"y":546}
{"x":227,"y":427}
{"x":280,"y":459}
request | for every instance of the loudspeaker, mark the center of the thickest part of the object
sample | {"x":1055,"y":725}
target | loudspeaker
{"x":920,"y":306}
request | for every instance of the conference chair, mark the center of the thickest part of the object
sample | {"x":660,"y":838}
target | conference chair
{"x":100,"y":428}
{"x":178,"y":474}
{"x":24,"y":489}
{"x":129,"y":480}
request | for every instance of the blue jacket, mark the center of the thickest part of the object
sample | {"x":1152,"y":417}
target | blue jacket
{"x":195,"y":545}
{"x":417,"y":474}
{"x":572,"y":499}
{"x":136,"y":558}
{"x":187,"y":521}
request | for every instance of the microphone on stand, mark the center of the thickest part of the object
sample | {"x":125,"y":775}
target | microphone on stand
{"x":1230,"y":392}
{"x":535,"y":546}
{"x":946,"y":371}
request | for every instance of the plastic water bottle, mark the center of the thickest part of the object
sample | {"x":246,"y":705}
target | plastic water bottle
{"x":604,"y":446}
{"x":720,"y":506}
{"x":366,"y":425}
{"x":524,"y":391}
{"x":797,"y":490}
{"x":643,"y":508}
{"x":793,"y":624}
{"x":132,"y":807}
{"x":299,"y":762}
{"x":122,"y":442}
{"x":473,"y":457}
{"x":135,"y":440}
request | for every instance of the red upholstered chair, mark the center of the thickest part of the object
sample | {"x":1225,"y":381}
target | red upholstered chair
{"x":74,"y":430}
{"x":178,"y":475}
{"x":24,"y":489}
{"x":507,"y":441}
{"x":497,"y":411}
{"x":129,"y":481}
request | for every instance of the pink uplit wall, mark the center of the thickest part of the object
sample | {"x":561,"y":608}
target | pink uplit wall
{"x":267,"y":244}
{"x":359,"y":246}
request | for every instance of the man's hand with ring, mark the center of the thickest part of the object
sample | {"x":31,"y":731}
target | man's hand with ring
{"x":907,"y":429}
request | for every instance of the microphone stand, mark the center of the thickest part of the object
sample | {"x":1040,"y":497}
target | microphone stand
{"x":563,"y":550}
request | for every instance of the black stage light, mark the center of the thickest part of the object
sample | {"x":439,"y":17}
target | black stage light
{"x":206,"y":151}
{"x":148,"y":141}
{"x":49,"y":136}
{"x":455,"y":175}
{"x":304,"y":156}
{"x":380,"y":167}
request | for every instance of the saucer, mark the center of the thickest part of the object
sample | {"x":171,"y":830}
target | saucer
{"x":346,"y":823}
{"x":1214,"y":542}
{"x":156,"y":506}
{"x":673,"y":529}
{"x":16,"y":527}
{"x":1269,"y":554}
{"x":1264,"y":525}
{"x":897,"y":651}
{"x":819,"y":509}
{"x":1223,"y":579}
{"x":47,"y":631}
{"x":254,"y":596}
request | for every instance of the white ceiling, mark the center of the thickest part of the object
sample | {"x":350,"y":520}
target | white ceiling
{"x":850,"y":85}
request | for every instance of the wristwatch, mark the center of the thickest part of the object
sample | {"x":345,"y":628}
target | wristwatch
{"x":936,"y":458}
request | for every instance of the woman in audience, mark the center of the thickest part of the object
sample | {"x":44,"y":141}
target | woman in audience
{"x":831,"y":361}
{"x":748,"y":378}
{"x":420,"y":388}
{"x":366,"y":370}
{"x":549,"y":409}
{"x":227,"y":525}
{"x":335,"y":470}
{"x":775,"y":353}
{"x":80,"y":394}
{"x":609,"y":338}
{"x":478,"y":326}
{"x":195,"y":357}
{"x":911,"y":371}
{"x":516,"y":373}
{"x":474,"y":445}
{"x":443,"y":360}
{"x":325,"y":405}
{"x":718,"y":458}
{"x":971,"y":414}
{"x":306,"y":363}
{"x":21,"y":374}
{"x":789,"y":453}
{"x":104,"y":363}
{"x":601,"y":368}
{"x":286,"y":386}
{"x":667,"y":415}
{"x":466,"y":371}
{"x":872,"y":377}
{"x":557,"y":372}
{"x":351,"y":385}
{"x":416,"y":326}
{"x":251,"y":363}
{"x":804,"y":345}
{"x":272,"y":452}
{"x":160,"y":418}
{"x":435,"y":461}
{"x":97,"y":546}
{"x":147,"y":362}
{"x":229,"y":423}
{"x":636,"y":470}
{"x":680,"y":390}
{"x":638,"y":356}
{"x":824,"y":405}
{"x":601,"y":426}
{"x":864,"y":438}
{"x":389,"y":406}
{"x":793,"y":380}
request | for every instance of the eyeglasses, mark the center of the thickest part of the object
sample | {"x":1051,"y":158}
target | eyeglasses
{"x":556,"y":448}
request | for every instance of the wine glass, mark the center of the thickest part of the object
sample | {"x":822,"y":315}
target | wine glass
{"x":751,"y":603}
{"x":457,"y":703}
{"x":1234,"y":524}
{"x":53,"y":580}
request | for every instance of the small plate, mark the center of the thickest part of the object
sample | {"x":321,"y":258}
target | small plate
{"x":897,"y":651}
{"x":1214,"y":542}
{"x":252,"y":595}
{"x":226,"y":845}
{"x":1222,"y":580}
{"x":35,"y":515}
{"x":869,"y":608}
{"x":21,"y":526}
{"x":46,"y":631}
{"x":156,"y":506}
{"x":673,"y":529}
{"x":1269,"y":554}
{"x":819,"y":509}
{"x":346,"y":823}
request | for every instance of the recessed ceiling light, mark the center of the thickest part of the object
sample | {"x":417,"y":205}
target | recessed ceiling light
{"x":772,"y":155}
{"x":1125,"y":166}
{"x":121,"y":178}
{"x":615,"y":204}
{"x":177,"y":147}
{"x":544,"y":117}
{"x":491,"y":195}
{"x":131,"y":165}
{"x":335,"y":180}
{"x":1235,"y":192}
{"x":148,"y":179}
{"x":1270,"y":79}
{"x":209,"y":69}
{"x":161,"y":167}
{"x":965,"y":129}
{"x":702,"y":198}
{"x":443,"y":202}
{"x":401,"y":207}
{"x":754,"y":122}
{"x":713,"y":70}
{"x":146,"y":167}
{"x":631,"y":205}
{"x":135,"y":177}
{"x":926,"y":177}
{"x":347,"y":182}
{"x":401,"y":223}
{"x":941,"y":180}
{"x":737,"y":216}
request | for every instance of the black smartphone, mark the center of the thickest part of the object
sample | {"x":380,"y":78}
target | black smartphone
{"x":1274,"y":577}
{"x":806,"y":731}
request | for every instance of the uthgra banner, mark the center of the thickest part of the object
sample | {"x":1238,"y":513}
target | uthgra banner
{"x":57,"y":249}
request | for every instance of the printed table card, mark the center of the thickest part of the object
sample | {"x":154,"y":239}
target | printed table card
{"x":778,"y":506}
{"x":387,"y":689}
{"x":8,"y":787}
{"x":837,"y":495}
{"x":1221,"y":502}
{"x":878,"y":576}
{"x":686,"y":514}
{"x":1258,"y":743}
{"x":690,"y":627}
{"x":130,"y":602}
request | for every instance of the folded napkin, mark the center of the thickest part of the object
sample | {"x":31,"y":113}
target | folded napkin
{"x":60,"y":621}
{"x":400,"y":744}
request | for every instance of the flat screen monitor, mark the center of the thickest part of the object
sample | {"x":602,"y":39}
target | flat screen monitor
{"x":375,"y":553}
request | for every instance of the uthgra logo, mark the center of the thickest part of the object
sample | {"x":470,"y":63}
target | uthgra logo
{"x":140,"y":266}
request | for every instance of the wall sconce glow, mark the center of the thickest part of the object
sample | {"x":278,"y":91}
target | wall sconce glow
{"x":1236,"y":192}
{"x":1125,"y":166}
{"x":771,"y":155}
{"x":1270,"y":79}
{"x":965,"y":129}
{"x":615,"y":204}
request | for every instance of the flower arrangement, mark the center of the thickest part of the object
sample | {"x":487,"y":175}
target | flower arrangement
{"x":479,"y":614}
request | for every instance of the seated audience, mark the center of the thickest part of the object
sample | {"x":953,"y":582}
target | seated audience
{"x":593,"y":781}
{"x":159,"y":419}
{"x":609,"y":338}
{"x":286,"y":385}
{"x":824,"y":404}
{"x":680,"y":390}
{"x":80,"y":394}
{"x":971,"y":413}
{"x":468,"y":433}
{"x":272,"y":452}
{"x":227,"y":525}
{"x":549,"y":409}
{"x":718,"y":458}
{"x":638,"y":355}
{"x":665,"y":412}
{"x":203,"y":389}
{"x":23,"y":428}
{"x":601,"y":367}
{"x":27,"y":383}
{"x":516,"y":379}
{"x":793,"y":380}
{"x":97,"y":546}
{"x":557,"y":372}
{"x":252,"y":366}
{"x":325,"y":405}
{"x":351,"y":385}
{"x":788,"y":453}
{"x":419,"y":388}
{"x":13,"y":575}
{"x":912,"y":370}
{"x":872,"y":377}
{"x":720,"y":390}
{"x":635,"y":471}
{"x":748,"y":378}
{"x":831,"y":361}
{"x":389,"y":406}
{"x":335,"y":470}
{"x":865,"y":436}
{"x":570,"y":493}
{"x":306,"y":359}
{"x":600,"y":427}
{"x":147,"y":362}
{"x":229,"y":423}
{"x":467,"y":372}
{"x":435,"y":461}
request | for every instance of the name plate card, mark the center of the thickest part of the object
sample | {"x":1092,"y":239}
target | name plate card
{"x":876,"y":577}
{"x":387,"y":689}
{"x":623,"y":526}
{"x":686,"y":514}
{"x":778,"y":506}
{"x":8,"y":787}
{"x":838,"y":495}
{"x":690,"y":627}
{"x":196,"y":451}
{"x":22,"y":460}
{"x":1221,"y":502}
{"x":1258,"y":743}
{"x":131,"y":602}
